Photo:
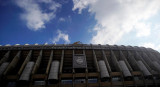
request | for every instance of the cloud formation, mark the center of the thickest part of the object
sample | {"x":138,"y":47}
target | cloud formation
{"x":115,"y":18}
{"x":34,"y":15}
{"x":61,"y":36}
{"x":62,"y":19}
{"x":81,"y":4}
{"x":151,"y":45}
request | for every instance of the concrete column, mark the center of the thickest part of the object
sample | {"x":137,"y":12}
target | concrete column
{"x":157,"y":65}
{"x":149,"y":62}
{"x":141,"y":59}
{"x":61,"y":64}
{"x":143,"y":68}
{"x":49,"y":62}
{"x":132,"y":61}
{"x":25,"y":62}
{"x":95,"y":61}
{"x":13,"y":63}
{"x":115,"y":62}
{"x":126,"y":62}
{"x":5,"y":57}
{"x":37,"y":64}
{"x":106,"y":61}
{"x":3,"y":67}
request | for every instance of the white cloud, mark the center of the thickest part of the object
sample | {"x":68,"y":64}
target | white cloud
{"x":46,"y":1}
{"x":60,"y":36}
{"x":148,"y":45}
{"x":61,"y":19}
{"x":142,"y":29}
{"x":34,"y":15}
{"x":52,"y":5}
{"x":156,"y":31}
{"x":151,"y":45}
{"x":81,"y":4}
{"x":115,"y":18}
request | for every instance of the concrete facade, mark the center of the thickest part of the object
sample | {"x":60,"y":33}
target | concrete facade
{"x":93,"y":66}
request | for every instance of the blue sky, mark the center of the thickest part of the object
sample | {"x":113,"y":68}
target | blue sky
{"x":122,"y":22}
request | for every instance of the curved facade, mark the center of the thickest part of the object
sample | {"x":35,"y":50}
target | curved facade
{"x":79,"y":65}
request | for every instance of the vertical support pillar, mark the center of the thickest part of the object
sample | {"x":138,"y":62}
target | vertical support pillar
{"x":95,"y":61}
{"x":61,"y":67}
{"x":61,"y":64}
{"x":38,"y":61}
{"x":3,"y":67}
{"x":85,"y":60}
{"x":143,"y":68}
{"x":4,"y":63}
{"x":49,"y":62}
{"x":13,"y":64}
{"x":140,"y":58}
{"x":157,"y":65}
{"x":155,"y":61}
{"x":115,"y":62}
{"x":132,"y":61}
{"x":73,"y":53}
{"x":155,"y":57}
{"x":106,"y":61}
{"x":25,"y":62}
{"x":5,"y":57}
{"x":73,"y":71}
{"x":149,"y":61}
{"x":49,"y":66}
{"x":126,"y":62}
{"x":86,"y":71}
{"x":96,"y":65}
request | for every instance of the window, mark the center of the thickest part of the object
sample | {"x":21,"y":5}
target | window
{"x":11,"y":84}
{"x":92,"y":80}
{"x":80,"y":81}
{"x":68,"y":81}
{"x":39,"y":82}
{"x":116,"y":78}
{"x":137,"y":78}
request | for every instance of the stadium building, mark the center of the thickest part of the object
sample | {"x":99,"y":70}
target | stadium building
{"x":78,"y":65}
